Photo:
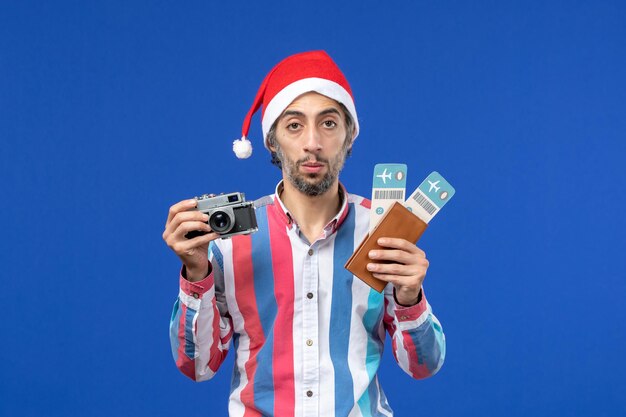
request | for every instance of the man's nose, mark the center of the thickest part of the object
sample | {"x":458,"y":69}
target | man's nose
{"x":312,"y":141}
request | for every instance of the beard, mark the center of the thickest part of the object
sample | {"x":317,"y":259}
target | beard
{"x":312,"y":184}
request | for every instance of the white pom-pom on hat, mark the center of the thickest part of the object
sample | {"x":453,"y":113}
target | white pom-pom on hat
{"x":242,"y":148}
{"x":295,"y":75}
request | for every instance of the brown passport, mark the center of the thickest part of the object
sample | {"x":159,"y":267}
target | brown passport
{"x":398,"y":222}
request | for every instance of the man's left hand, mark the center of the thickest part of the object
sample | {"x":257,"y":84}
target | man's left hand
{"x":407,"y":270}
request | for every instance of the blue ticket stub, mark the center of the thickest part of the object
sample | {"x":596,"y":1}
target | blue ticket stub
{"x":430,"y":197}
{"x":388,"y":186}
{"x":389,"y":176}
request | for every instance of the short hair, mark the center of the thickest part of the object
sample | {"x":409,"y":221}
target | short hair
{"x":271,"y":136}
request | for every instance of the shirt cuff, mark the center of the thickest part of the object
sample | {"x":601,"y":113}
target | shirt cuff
{"x":195,"y":289}
{"x":412,"y":313}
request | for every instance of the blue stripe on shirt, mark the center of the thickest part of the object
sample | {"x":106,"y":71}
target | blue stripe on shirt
{"x":266,"y":307}
{"x":371,"y":321}
{"x":372,"y":393}
{"x":190,"y":346}
{"x":427,"y":341}
{"x":174,"y":327}
{"x":383,"y":398}
{"x":236,"y":378}
{"x":340,"y":316}
{"x":217,"y":255}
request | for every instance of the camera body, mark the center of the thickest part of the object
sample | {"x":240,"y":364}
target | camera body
{"x":229,"y":215}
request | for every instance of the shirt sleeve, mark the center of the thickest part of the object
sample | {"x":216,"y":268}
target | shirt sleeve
{"x":418,"y":342}
{"x":201,"y":327}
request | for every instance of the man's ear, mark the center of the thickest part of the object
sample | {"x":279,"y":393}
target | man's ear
{"x":352,"y":136}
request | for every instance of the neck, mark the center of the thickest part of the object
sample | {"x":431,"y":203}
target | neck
{"x":311,"y":212}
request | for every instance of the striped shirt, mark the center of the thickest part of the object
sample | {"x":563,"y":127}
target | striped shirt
{"x":308,"y":335}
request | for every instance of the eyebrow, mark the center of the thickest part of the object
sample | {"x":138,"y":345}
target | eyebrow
{"x":287,"y":113}
{"x":296,"y":113}
{"x":331,"y":110}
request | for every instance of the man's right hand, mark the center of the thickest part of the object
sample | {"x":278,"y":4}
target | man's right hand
{"x":181,"y":220}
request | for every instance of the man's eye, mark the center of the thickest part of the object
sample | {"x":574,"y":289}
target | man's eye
{"x":330,"y":123}
{"x":293,"y":126}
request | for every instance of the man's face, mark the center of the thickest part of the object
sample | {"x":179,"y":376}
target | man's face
{"x":311,"y":143}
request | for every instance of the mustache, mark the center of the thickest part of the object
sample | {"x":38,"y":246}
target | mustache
{"x":314,"y":160}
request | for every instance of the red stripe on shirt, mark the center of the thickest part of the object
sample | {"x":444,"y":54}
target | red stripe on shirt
{"x":246,"y":301}
{"x":282,"y":360}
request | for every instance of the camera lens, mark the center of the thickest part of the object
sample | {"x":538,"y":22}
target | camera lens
{"x":220,"y":222}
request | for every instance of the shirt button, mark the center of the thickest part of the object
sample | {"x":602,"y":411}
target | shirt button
{"x":196,"y":295}
{"x":309,"y":342}
{"x":311,"y":252}
{"x":309,"y":393}
{"x":309,"y":295}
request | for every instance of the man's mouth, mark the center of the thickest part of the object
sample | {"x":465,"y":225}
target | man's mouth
{"x":312,"y":167}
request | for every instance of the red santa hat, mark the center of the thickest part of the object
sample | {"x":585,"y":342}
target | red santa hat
{"x":289,"y":79}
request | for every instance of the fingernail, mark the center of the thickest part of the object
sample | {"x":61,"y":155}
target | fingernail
{"x":371,"y":267}
{"x":373,"y":254}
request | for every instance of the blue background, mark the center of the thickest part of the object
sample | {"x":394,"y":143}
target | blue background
{"x":112,"y":111}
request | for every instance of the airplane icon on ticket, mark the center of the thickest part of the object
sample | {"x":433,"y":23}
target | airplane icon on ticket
{"x":384,"y":176}
{"x":433,"y":185}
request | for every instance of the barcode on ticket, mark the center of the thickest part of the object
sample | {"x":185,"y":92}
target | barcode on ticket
{"x":424,"y":203}
{"x":389,"y":194}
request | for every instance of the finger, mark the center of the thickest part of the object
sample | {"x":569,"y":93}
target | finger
{"x":399,"y":256}
{"x":191,"y":226}
{"x":398,"y":280}
{"x":397,"y":243}
{"x":393,"y":269}
{"x":203,"y":239}
{"x":394,"y":279}
{"x":180,"y":206}
{"x":183,"y":247}
{"x":183,"y":217}
{"x":386,"y":277}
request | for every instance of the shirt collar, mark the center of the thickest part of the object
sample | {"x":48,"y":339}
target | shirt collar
{"x":332,"y":225}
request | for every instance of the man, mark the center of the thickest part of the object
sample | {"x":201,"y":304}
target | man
{"x":308,"y":335}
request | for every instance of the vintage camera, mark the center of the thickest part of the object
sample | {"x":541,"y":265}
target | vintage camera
{"x":229,"y":215}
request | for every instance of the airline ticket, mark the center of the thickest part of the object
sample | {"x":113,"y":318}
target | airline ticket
{"x":389,"y":185}
{"x":430,"y":197}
